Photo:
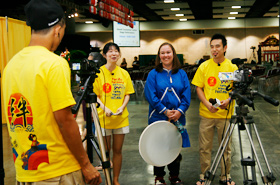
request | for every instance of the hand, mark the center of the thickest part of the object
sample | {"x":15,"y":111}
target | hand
{"x":91,"y":175}
{"x":211,"y":108}
{"x":120,"y":110}
{"x":108,"y":112}
{"x":168,"y":113}
{"x":175,"y":115}
{"x":224,"y":104}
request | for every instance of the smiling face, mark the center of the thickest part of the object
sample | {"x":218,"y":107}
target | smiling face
{"x":217,"y":49}
{"x":112,"y":55}
{"x":166,"y":56}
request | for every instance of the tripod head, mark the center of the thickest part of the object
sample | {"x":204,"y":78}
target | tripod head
{"x":87,"y":74}
{"x":241,"y":91}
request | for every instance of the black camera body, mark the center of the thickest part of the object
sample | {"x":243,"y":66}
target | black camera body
{"x":88,"y":68}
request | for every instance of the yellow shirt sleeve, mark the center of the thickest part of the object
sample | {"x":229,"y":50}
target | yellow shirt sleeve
{"x":198,"y":79}
{"x":59,"y":91}
{"x":129,"y":86}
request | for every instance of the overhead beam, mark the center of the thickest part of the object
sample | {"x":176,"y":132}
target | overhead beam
{"x":260,"y":7}
{"x":201,"y":9}
{"x":141,"y":9}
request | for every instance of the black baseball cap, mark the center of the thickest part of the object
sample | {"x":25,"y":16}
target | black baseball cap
{"x":42,"y":14}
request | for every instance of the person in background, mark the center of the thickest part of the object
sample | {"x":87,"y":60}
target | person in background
{"x":97,"y":58}
{"x":113,"y":87}
{"x":46,"y":141}
{"x":124,"y":64}
{"x":168,"y":92}
{"x":136,"y":64}
{"x":152,"y":62}
{"x":208,"y":85}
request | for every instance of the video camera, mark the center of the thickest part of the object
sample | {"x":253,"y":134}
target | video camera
{"x":241,"y":91}
{"x":241,"y":78}
{"x":88,"y":68}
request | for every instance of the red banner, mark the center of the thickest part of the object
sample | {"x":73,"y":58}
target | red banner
{"x":92,"y":9}
{"x":112,"y":10}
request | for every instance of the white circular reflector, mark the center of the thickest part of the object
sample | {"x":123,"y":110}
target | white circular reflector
{"x":160,"y":143}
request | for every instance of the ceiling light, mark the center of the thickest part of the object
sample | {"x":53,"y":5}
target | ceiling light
{"x":168,"y":1}
{"x":89,"y":22}
{"x":236,"y":7}
{"x":175,"y":9}
{"x":183,"y":19}
{"x":232,"y":13}
{"x":179,"y":15}
{"x":231,"y":17}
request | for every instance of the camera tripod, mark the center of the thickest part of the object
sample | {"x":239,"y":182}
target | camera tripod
{"x":253,"y":55}
{"x":244,"y":122}
{"x":86,"y":93}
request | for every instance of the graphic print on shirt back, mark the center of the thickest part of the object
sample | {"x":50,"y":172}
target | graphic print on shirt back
{"x":20,"y":119}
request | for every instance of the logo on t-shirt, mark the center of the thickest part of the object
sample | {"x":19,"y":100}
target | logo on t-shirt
{"x":212,"y":81}
{"x":20,"y":118}
{"x":20,"y":113}
{"x":107,"y":88}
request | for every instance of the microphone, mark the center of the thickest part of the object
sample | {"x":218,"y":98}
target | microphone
{"x":219,"y":64}
{"x":215,"y":102}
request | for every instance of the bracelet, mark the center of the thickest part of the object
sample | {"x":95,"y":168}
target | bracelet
{"x":165,"y":112}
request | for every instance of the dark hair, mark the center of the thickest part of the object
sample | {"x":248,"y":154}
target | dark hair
{"x":175,"y":63}
{"x":220,"y":36}
{"x":107,"y":47}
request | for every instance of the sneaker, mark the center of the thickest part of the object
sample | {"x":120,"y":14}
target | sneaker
{"x":175,"y":180}
{"x":159,"y":180}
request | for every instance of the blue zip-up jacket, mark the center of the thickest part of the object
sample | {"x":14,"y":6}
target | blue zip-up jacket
{"x":164,"y":90}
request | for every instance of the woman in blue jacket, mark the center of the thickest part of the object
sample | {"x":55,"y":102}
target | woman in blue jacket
{"x":168,"y":92}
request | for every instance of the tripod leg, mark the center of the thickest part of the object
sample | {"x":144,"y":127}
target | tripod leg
{"x":220,"y":147}
{"x":270,"y":177}
{"x":253,"y":169}
{"x":256,"y":155}
{"x":260,"y":143}
{"x":94,"y":144}
{"x":105,"y":162}
{"x":211,"y":174}
{"x":89,"y":132}
{"x":244,"y":168}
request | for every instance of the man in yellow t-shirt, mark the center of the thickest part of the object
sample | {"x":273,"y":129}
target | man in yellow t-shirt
{"x":46,"y":142}
{"x":208,"y":85}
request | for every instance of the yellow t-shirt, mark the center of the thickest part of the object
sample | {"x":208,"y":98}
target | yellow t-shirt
{"x":111,"y":87}
{"x":207,"y":78}
{"x":36,"y":82}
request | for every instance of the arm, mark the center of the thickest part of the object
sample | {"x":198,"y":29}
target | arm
{"x":150,"y":93}
{"x":224,"y":103}
{"x":202,"y":98}
{"x":125,"y":102}
{"x":70,"y":133}
{"x":185,"y":97}
{"x":107,"y":111}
